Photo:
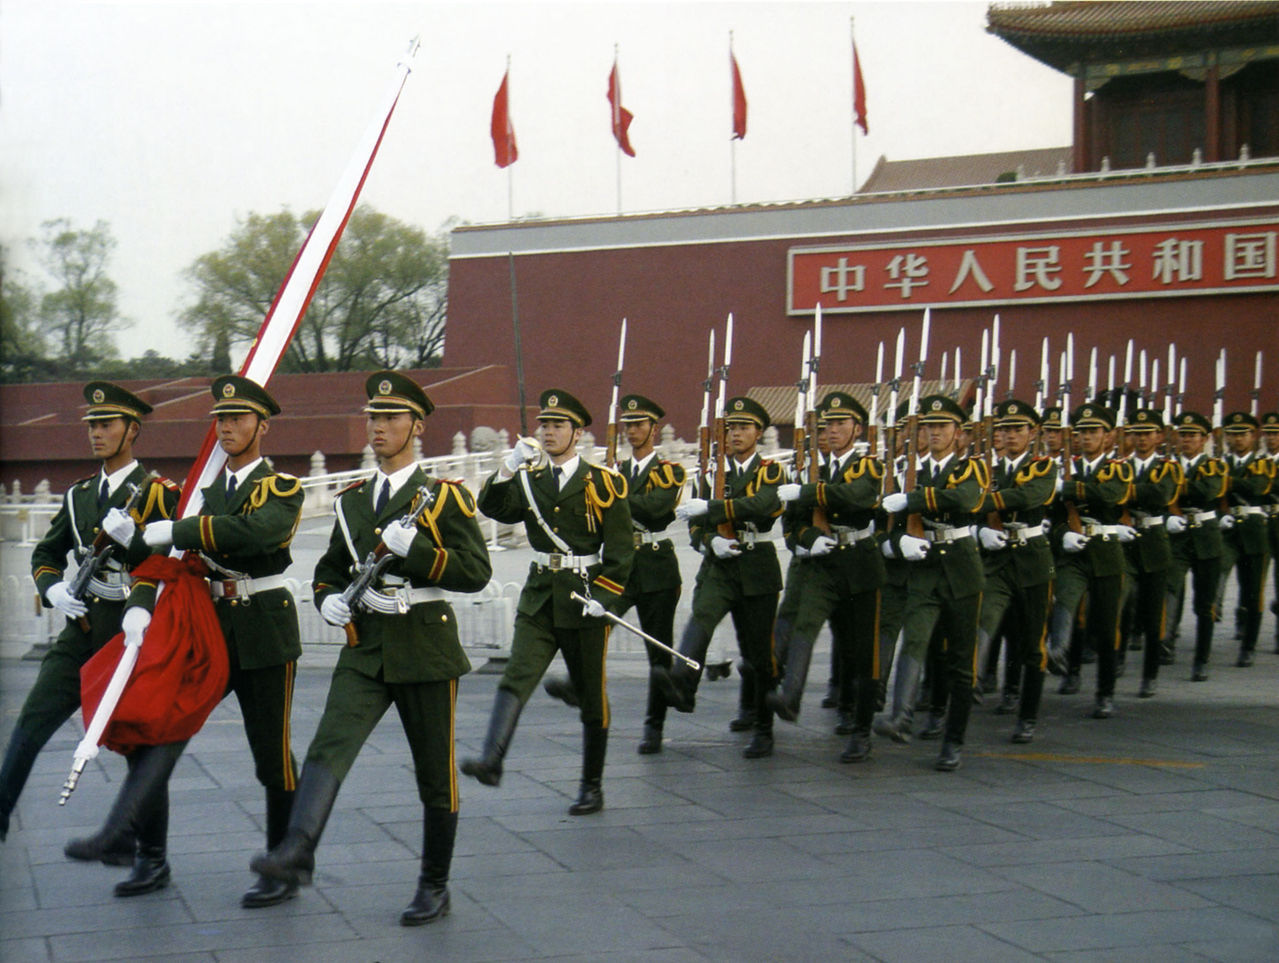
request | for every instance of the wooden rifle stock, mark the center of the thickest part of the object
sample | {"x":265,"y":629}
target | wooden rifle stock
{"x":820,"y":518}
{"x":725,"y":528}
{"x":1073,"y":521}
{"x":914,"y":521}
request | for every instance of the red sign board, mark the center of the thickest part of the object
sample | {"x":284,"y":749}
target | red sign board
{"x":1173,"y":260}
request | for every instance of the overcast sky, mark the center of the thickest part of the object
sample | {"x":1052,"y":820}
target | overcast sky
{"x":170,"y":119}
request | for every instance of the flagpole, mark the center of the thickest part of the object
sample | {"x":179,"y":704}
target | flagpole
{"x":617,"y":122}
{"x":510,"y":173}
{"x":852,"y":127}
{"x":732,"y":136}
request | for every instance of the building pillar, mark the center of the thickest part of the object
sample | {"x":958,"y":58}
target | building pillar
{"x":1079,"y":153}
{"x":1212,"y":114}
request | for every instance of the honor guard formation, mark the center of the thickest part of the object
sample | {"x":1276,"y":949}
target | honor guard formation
{"x":937,"y":534}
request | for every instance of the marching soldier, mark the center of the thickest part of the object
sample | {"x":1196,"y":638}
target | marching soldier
{"x":842,"y":572}
{"x":579,"y":524}
{"x":1156,"y":482}
{"x":1016,"y":556}
{"x":739,"y":575}
{"x":405,"y":650}
{"x":1093,"y":557}
{"x":242,"y":532}
{"x":91,"y":519}
{"x":1252,"y":475}
{"x":1198,"y":548}
{"x":945,"y":581}
{"x":1270,"y":432}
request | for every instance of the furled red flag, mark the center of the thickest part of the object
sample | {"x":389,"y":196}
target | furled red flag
{"x":859,"y":93}
{"x":621,"y":116}
{"x":739,"y":101}
{"x":505,"y":153}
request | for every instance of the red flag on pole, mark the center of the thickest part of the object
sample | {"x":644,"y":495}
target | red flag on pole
{"x":739,"y":100}
{"x":621,"y":116}
{"x":505,"y":153}
{"x":859,"y":93}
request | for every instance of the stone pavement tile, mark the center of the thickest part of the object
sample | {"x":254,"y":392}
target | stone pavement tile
{"x":863,"y":912}
{"x":604,"y":847}
{"x":748,"y":935}
{"x":373,"y":910}
{"x":938,"y":943}
{"x":916,"y":837}
{"x":1199,"y":865}
{"x":1098,"y":888}
{"x":1153,"y":953}
{"x":762,"y":860}
{"x":910,"y":874}
{"x":1139,"y":778}
{"x":891,"y":812}
{"x":192,"y":844}
{"x":1203,"y":832}
{"x":215,"y":897}
{"x":1166,"y":802}
{"x":557,"y":817}
{"x":116,"y":915}
{"x":491,"y":890}
{"x":30,"y":950}
{"x":299,"y":932}
{"x":581,"y":923}
{"x":1263,"y":815}
{"x":440,"y":940}
{"x":679,"y":830}
{"x":1258,"y":776}
{"x":1103,"y":933}
{"x":66,"y":884}
{"x":1260,"y":949}
{"x":1038,"y":820}
{"x":1253,"y":894}
{"x":1078,"y":849}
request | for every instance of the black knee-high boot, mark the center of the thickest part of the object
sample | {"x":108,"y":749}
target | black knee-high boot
{"x":590,"y":797}
{"x":431,"y":901}
{"x":267,"y":891}
{"x":506,"y":713}
{"x":145,"y":803}
{"x":292,"y":860}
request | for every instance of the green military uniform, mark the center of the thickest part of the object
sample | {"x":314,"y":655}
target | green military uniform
{"x":1198,"y":549}
{"x":1098,"y":490}
{"x":579,"y":526}
{"x":945,"y":585}
{"x":841,"y":572}
{"x":1247,"y":541}
{"x":55,"y":695}
{"x":1270,"y":431}
{"x":744,"y":585}
{"x":1019,"y":575}
{"x":403,"y":647}
{"x":1156,"y":482}
{"x":654,"y":585}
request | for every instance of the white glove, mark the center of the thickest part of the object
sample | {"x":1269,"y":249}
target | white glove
{"x":1074,"y":542}
{"x":693,"y":508}
{"x":1045,"y":526}
{"x":886,"y":549}
{"x":725,"y":547}
{"x":398,"y":538}
{"x":524,"y":452}
{"x":992,"y":539}
{"x":800,"y":552}
{"x":592,"y":609}
{"x":135,"y":622}
{"x":1176,"y":524}
{"x":1127,"y":534}
{"x":158,"y":534}
{"x":822,"y":545}
{"x":894,"y":503}
{"x":1227,"y":522}
{"x":788,"y":492}
{"x":119,"y":525}
{"x":334,"y":610}
{"x":61,"y":600}
{"x":1061,"y":482}
{"x":913,"y":549}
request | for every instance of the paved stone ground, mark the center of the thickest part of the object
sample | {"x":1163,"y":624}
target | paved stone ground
{"x":1154,"y":835}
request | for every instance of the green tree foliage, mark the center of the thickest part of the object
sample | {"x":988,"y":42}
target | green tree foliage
{"x":80,"y":315}
{"x":381,"y":303}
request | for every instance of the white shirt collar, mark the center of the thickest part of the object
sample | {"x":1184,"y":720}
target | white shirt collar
{"x":1012,"y":464}
{"x":939,"y":466}
{"x":116,"y":478}
{"x":243,"y":473}
{"x":567,"y":469}
{"x":639,"y":464}
{"x":742,"y":467}
{"x":396,"y":478}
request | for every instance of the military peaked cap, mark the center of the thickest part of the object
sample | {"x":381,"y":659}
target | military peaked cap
{"x":1192,"y":421}
{"x":391,"y":393}
{"x":840,"y":404}
{"x":1238,"y":421}
{"x":639,"y":408}
{"x":941,"y":410}
{"x":111,"y":401}
{"x":1145,"y":419}
{"x":1013,"y":414}
{"x":1270,"y":421}
{"x":1052,"y":417}
{"x":1092,"y":415}
{"x":744,"y":411}
{"x":233,"y":395}
{"x":557,"y":403}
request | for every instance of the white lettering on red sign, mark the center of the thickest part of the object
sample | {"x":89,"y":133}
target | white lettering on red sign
{"x":907,"y":270}
{"x":1177,"y":260}
{"x":1036,"y":266}
{"x":1250,"y":255}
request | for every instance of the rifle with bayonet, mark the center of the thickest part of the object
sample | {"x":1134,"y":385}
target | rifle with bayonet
{"x":820,"y":519}
{"x":103,"y":548}
{"x":801,"y":405}
{"x":610,"y":436}
{"x":915,"y":521}
{"x":377,"y":560}
{"x":1067,"y":374}
{"x":704,"y":426}
{"x":725,"y":528}
{"x":872,"y":429}
{"x":986,"y":419}
{"x":890,"y":423}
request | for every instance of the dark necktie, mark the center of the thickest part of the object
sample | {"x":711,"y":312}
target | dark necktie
{"x":383,"y":496}
{"x":104,"y":494}
{"x":230,"y":487}
{"x":557,"y":473}
{"x":635,"y":471}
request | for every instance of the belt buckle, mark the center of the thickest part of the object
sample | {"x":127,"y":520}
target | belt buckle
{"x":555,"y":561}
{"x":230,"y":588}
{"x":242,"y":591}
{"x":639,"y":539}
{"x":401,"y":603}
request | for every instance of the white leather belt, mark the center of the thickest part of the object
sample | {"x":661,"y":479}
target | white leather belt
{"x":1023,"y":534}
{"x":649,"y":538}
{"x":845,"y":535}
{"x":1272,"y":510}
{"x":948,"y":533}
{"x":242,"y":588}
{"x":110,"y":586}
{"x":1092,"y":528}
{"x":399,"y":599}
{"x":1149,"y":521}
{"x":1197,"y":516}
{"x":556,"y":561}
{"x":1239,"y":511}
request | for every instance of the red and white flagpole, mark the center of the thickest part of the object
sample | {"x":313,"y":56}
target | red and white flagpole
{"x":272,"y":341}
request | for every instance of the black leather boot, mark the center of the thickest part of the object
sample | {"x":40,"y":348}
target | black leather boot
{"x":784,"y":700}
{"x":744,"y":721}
{"x":590,"y":797}
{"x":678,"y":684}
{"x":431,"y":901}
{"x":506,"y":713}
{"x":899,"y":725}
{"x":19,"y":757}
{"x":654,"y":719}
{"x":562,"y":688}
{"x":267,"y":891}
{"x":761,"y":743}
{"x":292,"y":861}
{"x":145,"y":801}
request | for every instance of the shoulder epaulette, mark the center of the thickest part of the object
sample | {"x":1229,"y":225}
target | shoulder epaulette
{"x":83,"y":481}
{"x":169,"y":483}
{"x":771,"y":472}
{"x":1035,"y":468}
{"x":351,"y":487}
